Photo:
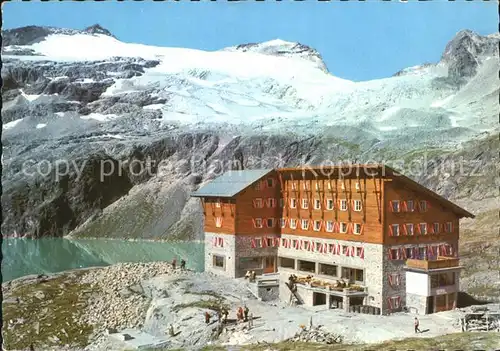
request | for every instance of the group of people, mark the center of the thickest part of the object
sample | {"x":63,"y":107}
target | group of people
{"x":222,"y":314}
{"x":174,"y":264}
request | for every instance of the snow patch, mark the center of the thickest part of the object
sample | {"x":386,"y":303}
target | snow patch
{"x":99,"y":117}
{"x":41,"y":125}
{"x":153,"y":107}
{"x":11,"y":124}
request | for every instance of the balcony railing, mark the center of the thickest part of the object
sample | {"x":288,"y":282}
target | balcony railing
{"x":439,"y":263}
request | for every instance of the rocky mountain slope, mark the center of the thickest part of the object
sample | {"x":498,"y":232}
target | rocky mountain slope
{"x":105,"y":138}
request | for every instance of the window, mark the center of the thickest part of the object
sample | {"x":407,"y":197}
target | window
{"x":409,"y":206}
{"x":395,"y":205}
{"x":395,"y":302}
{"x":329,"y":226}
{"x":409,"y":252}
{"x":218,"y":222}
{"x":318,"y":247}
{"x":357,"y":186}
{"x":343,"y":205}
{"x":423,"y":228}
{"x":217,"y":203}
{"x":357,"y":205}
{"x":317,"y":226}
{"x":318,"y":187}
{"x":305,"y":203}
{"x":449,"y":227}
{"x":409,"y":229}
{"x":282,"y":203}
{"x":395,"y":254}
{"x":359,"y":275}
{"x":294,"y":244}
{"x":344,"y":249}
{"x":306,"y":266}
{"x":271,"y":202}
{"x":218,"y":261}
{"x":331,"y":247}
{"x":306,"y":185}
{"x":394,"y":229}
{"x":258,"y":203}
{"x":294,"y":186}
{"x":270,"y":182}
{"x":423,"y":206}
{"x":270,"y":242}
{"x":293,"y":203}
{"x":293,"y":223}
{"x":317,"y":204}
{"x":328,"y":269}
{"x":270,"y":222}
{"x":305,"y":224}
{"x":329,"y":204}
{"x":422,"y":252}
{"x":359,"y":251}
{"x":357,"y":228}
{"x":282,"y":222}
{"x":343,"y":227}
{"x":257,"y":185}
{"x":286,"y":262}
{"x":436,"y":228}
{"x":258,"y":222}
{"x":342,"y":185}
{"x":329,"y":186}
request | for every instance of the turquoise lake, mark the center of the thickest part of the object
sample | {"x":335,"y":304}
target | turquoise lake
{"x":26,"y":256}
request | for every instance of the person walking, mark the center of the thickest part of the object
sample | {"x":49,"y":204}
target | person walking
{"x":183,"y":264}
{"x":417,"y":323}
{"x":245,"y":312}
{"x":174,"y":263}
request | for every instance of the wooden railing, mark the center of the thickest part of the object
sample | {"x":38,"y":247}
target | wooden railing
{"x":440,"y":262}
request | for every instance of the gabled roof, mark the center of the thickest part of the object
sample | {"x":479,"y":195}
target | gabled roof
{"x":384,"y":171}
{"x":418,"y":187}
{"x":231,"y":183}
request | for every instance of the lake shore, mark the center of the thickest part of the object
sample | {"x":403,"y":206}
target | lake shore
{"x":78,"y":309}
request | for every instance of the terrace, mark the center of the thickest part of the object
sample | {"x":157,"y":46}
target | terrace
{"x":442,"y":262}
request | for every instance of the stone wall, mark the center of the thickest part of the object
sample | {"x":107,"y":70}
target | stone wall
{"x":227,"y":251}
{"x":371,"y":264}
{"x":244,"y":249}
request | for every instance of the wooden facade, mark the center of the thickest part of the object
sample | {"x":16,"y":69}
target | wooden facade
{"x":363,"y":205}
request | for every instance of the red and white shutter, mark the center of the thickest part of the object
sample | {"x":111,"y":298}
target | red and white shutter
{"x":391,"y":233}
{"x":391,"y":207}
{"x":362,"y":253}
{"x":389,"y":302}
{"x":389,"y":254}
{"x":405,"y":231}
{"x":264,"y":241}
{"x":349,"y":228}
{"x":254,"y":244}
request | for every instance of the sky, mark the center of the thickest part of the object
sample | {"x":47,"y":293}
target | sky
{"x":357,"y":40}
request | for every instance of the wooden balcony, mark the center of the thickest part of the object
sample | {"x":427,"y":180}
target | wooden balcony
{"x":442,"y":262}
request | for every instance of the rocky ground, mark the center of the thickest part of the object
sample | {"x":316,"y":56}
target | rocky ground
{"x":75,"y":310}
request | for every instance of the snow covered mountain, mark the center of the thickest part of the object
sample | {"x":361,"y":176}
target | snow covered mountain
{"x":75,"y":101}
{"x":85,"y":96}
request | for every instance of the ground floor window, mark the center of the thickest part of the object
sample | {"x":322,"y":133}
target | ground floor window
{"x":353,"y":274}
{"x":219,"y":261}
{"x":286,"y":262}
{"x":306,"y":266}
{"x":250,"y":262}
{"x":328,"y":269}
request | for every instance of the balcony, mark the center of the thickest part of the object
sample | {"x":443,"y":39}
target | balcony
{"x":442,"y":262}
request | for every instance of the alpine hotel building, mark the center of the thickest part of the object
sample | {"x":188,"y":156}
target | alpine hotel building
{"x":392,"y":241}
